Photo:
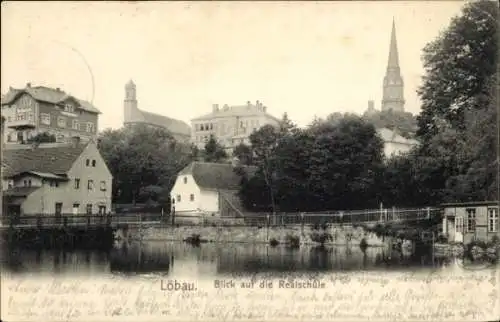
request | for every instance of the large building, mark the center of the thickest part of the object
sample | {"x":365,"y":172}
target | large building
{"x":38,"y":109}
{"x":133,"y":115}
{"x":55,"y":178}
{"x":231,"y":125}
{"x":393,"y":88}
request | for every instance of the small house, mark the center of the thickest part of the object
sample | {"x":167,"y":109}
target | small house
{"x":207,"y":189}
{"x":470,"y":221}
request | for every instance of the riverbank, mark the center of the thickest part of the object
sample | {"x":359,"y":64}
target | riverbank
{"x":297,"y":235}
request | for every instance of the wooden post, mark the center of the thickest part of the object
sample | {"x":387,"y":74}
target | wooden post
{"x":428,"y":213}
{"x":302,"y":222}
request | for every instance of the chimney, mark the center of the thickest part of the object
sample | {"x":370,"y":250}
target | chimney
{"x":75,"y":141}
{"x":215,"y":108}
{"x":371,"y":105}
{"x":28,"y":84}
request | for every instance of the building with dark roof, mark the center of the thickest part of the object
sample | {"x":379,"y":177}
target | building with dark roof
{"x":208,"y":189}
{"x":133,"y":115}
{"x":231,"y":125}
{"x":39,"y":109}
{"x":55,"y":178}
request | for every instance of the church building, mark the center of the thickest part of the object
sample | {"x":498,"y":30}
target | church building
{"x":393,"y":88}
{"x":133,"y":115}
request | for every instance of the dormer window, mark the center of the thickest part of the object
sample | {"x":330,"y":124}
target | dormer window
{"x":69,"y":108}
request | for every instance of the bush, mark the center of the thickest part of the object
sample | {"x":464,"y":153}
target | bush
{"x":273,"y":242}
{"x":494,"y":241}
{"x":441,"y":239}
{"x":324,"y":226}
{"x":292,"y":240}
{"x":315,"y":226}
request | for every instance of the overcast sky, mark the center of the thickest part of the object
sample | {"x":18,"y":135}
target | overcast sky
{"x":303,"y":58}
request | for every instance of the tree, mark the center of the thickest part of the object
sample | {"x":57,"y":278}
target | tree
{"x":457,"y":125}
{"x":144,"y":162}
{"x":458,"y":66}
{"x":244,"y":153}
{"x":214,"y":152}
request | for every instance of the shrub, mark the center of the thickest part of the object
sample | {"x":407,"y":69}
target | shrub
{"x":273,"y":242}
{"x":494,"y":241}
{"x":315,"y":226}
{"x":441,"y":239}
{"x":292,"y":240}
{"x":324,"y":226}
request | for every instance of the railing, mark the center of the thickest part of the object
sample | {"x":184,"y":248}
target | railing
{"x":70,"y":220}
{"x":319,"y":218}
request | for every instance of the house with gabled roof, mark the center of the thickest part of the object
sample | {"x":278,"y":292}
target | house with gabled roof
{"x":55,"y":179}
{"x":208,"y":189}
{"x":34,"y":110}
{"x":394,"y":143}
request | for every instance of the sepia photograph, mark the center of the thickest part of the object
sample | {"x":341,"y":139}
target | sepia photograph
{"x":250,"y":161}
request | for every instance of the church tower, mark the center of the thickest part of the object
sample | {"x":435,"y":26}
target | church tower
{"x":130,"y":110}
{"x":393,"y":91}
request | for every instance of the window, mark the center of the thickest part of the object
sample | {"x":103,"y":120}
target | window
{"x":74,"y":125}
{"x":90,"y":127}
{"x":30,"y":117}
{"x":25,"y":183}
{"x":185,"y":179}
{"x":9,"y":119}
{"x":211,"y":126}
{"x":77,"y":183}
{"x":471,"y":219}
{"x":87,"y":162}
{"x":61,"y":121}
{"x":21,"y":116}
{"x":60,"y":138}
{"x":89,"y":209}
{"x":45,"y":118}
{"x":492,"y":219}
{"x":178,"y":198}
{"x":103,"y":185}
{"x":68,"y":108}
{"x":197,"y":127}
{"x":90,"y":185}
{"x":191,"y":197}
{"x":93,"y":163}
{"x":29,"y":183}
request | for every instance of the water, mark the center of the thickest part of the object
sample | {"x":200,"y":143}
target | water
{"x":211,"y":260}
{"x":127,"y":282}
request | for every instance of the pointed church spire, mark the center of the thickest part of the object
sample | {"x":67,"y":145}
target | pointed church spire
{"x":393,"y":61}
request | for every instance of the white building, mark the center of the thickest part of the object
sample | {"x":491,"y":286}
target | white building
{"x":231,"y":125}
{"x":207,"y":189}
{"x":395,"y":144}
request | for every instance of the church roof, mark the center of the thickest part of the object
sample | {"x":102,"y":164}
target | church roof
{"x":46,"y":94}
{"x":393,"y":60}
{"x":173,"y":125}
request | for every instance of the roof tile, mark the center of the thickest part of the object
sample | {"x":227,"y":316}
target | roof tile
{"x":215,"y":176}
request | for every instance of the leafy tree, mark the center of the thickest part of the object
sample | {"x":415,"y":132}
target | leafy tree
{"x":244,"y":153}
{"x":214,"y":152}
{"x":458,"y":66}
{"x":457,"y":125}
{"x":144,"y":162}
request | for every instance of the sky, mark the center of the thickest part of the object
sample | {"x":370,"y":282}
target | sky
{"x":304,"y":58}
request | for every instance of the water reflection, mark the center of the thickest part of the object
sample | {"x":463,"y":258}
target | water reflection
{"x":169,"y":258}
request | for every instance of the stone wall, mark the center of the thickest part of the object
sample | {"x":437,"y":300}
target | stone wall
{"x":340,"y":235}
